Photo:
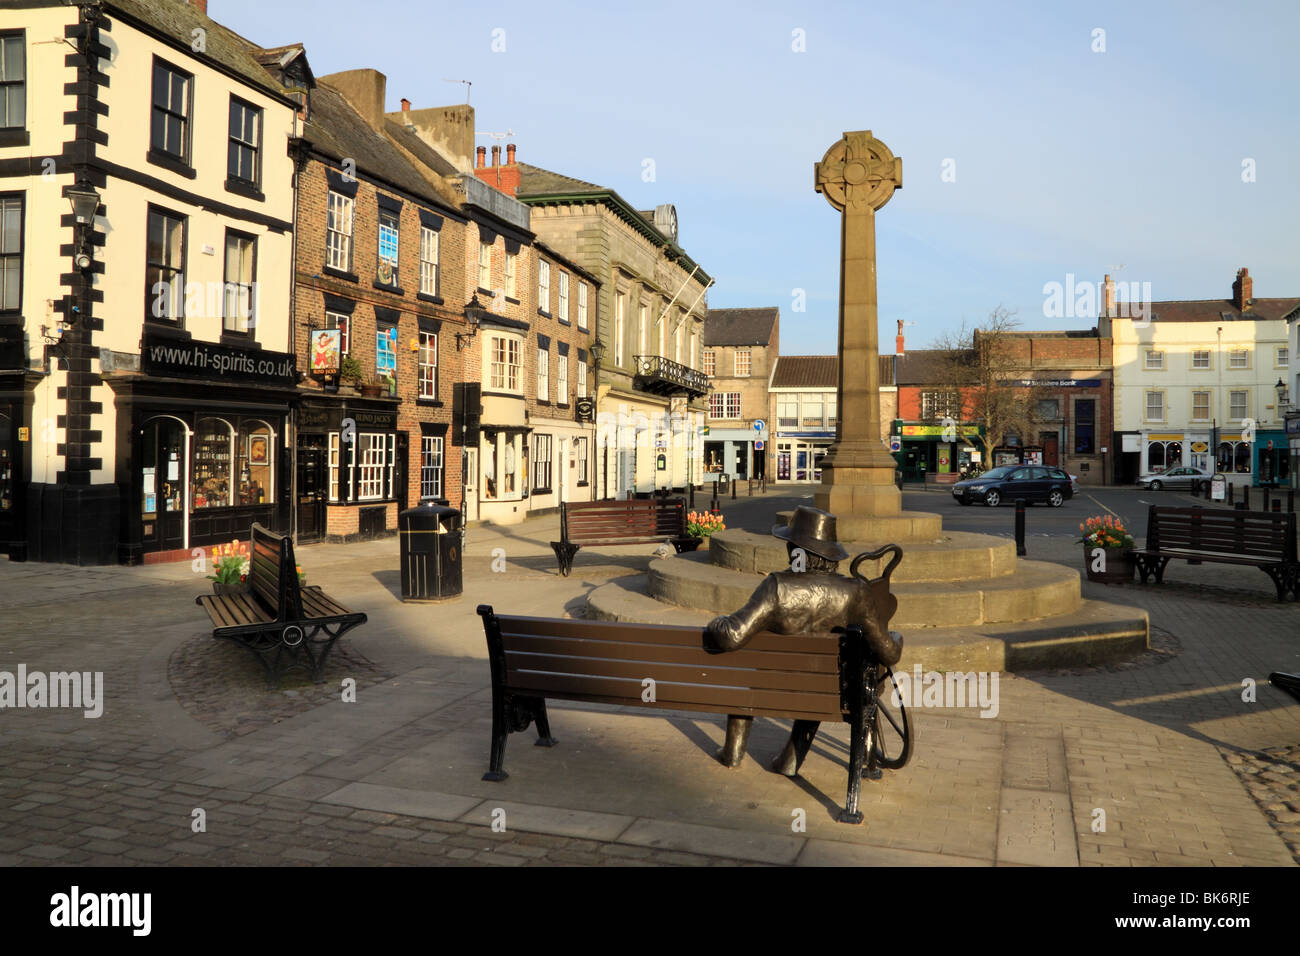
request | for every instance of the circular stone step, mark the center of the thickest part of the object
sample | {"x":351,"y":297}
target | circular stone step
{"x":1036,"y":589}
{"x":1094,"y":632}
{"x":956,"y":556}
{"x":900,"y":528}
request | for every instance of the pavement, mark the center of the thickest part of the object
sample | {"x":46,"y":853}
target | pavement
{"x":1183,"y":756}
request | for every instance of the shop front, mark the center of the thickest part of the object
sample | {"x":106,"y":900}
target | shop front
{"x":729,"y":451}
{"x":935,"y":450}
{"x":202,"y":446}
{"x":351,"y":469}
{"x":16,"y":384}
{"x":1272,"y":459}
{"x":799,"y":454}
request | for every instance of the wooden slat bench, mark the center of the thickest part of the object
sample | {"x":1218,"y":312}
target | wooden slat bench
{"x":639,"y":521}
{"x":283,"y":624}
{"x":1266,"y":540}
{"x":827,"y":678}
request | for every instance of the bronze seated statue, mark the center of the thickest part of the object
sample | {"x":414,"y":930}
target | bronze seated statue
{"x":813,"y":600}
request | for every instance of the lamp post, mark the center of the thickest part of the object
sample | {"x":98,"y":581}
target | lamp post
{"x":598,"y":353}
{"x":1280,"y":389}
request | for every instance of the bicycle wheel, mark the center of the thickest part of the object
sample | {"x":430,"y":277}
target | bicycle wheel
{"x":889,"y":729}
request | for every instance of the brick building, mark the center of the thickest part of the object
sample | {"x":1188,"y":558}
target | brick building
{"x":378,"y":255}
{"x":741,"y":347}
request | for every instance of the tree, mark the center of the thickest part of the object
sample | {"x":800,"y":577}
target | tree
{"x":975,"y":373}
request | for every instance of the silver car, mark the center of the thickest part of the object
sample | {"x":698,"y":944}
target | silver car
{"x":1181,"y":478}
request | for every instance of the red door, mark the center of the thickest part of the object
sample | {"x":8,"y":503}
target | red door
{"x":1049,"y":441}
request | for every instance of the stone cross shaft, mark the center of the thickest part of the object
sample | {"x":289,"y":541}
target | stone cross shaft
{"x":857,"y":176}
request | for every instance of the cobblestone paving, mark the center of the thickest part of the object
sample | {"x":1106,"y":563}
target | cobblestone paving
{"x":1272,"y":777}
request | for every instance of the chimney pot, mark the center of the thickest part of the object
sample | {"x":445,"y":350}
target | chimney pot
{"x":496,"y":155}
{"x":480,"y":161}
{"x":510,"y":154}
{"x":406,"y":105}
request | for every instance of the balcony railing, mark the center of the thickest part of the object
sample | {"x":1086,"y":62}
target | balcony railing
{"x":662,"y":376}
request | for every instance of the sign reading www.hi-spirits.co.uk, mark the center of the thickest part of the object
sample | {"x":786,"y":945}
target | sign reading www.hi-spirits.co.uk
{"x":208,"y":360}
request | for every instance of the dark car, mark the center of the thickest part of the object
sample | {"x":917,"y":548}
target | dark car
{"x":1009,"y":482}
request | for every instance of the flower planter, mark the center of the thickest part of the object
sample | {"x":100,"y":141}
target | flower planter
{"x":1118,"y":565}
{"x":688,"y":543}
{"x":219,"y":588}
{"x":373,"y":391}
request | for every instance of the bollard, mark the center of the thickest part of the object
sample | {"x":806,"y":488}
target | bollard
{"x":1245,"y":497}
{"x":1266,"y":497}
{"x":690,"y":494}
{"x":1277,"y":505}
{"x":1196,"y":536}
{"x":733,"y":489}
{"x":1240,"y":506}
{"x":1020,"y":527}
{"x":751,"y":487}
{"x":1290,"y":501}
{"x":1229,"y":492}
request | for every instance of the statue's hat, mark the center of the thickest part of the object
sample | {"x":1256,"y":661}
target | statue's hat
{"x":813,"y":530}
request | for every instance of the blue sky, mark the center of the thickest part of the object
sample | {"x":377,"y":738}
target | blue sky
{"x":1067,"y":161}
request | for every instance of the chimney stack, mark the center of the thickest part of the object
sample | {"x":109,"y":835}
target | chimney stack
{"x":496,"y":156}
{"x":510,"y":154}
{"x":200,"y":5}
{"x":406,"y":105}
{"x":898,"y":340}
{"x":480,"y":161}
{"x":1108,"y":297}
{"x":1243,"y":289}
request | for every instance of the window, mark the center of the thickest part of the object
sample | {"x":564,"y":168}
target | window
{"x":743,"y":363}
{"x":13,"y":82}
{"x":428,"y":367}
{"x":1234,"y":456}
{"x":1282,"y":357}
{"x":1085,"y":420}
{"x":1238,"y":404}
{"x":580,"y":453}
{"x":1162,"y":455}
{"x":1049,"y":409}
{"x":1239,"y":358}
{"x":787,"y":411}
{"x":1201,"y":358}
{"x":582,"y":379}
{"x":337,"y":320}
{"x":431,"y":465}
{"x":564,"y":297}
{"x":582,"y":305}
{"x":1155,"y":360}
{"x":505,"y":364}
{"x":812,"y":412}
{"x":428,"y":260}
{"x":512,"y":264}
{"x":386,"y":356}
{"x":165,"y":267}
{"x":212,"y":474}
{"x":938,"y":405}
{"x":372,"y":464}
{"x":543,"y":286}
{"x":1200,"y":406}
{"x":256,"y":460}
{"x":505,"y":464}
{"x":543,"y":375}
{"x":334,"y":466}
{"x":831,"y":400}
{"x":1155,"y":406}
{"x":724,"y":405}
{"x":387,"y":248}
{"x":171,"y":111}
{"x":245,"y":142}
{"x":710,"y":362}
{"x":240,"y":288}
{"x":541,"y":463}
{"x":562,"y":379}
{"x":11,"y":253}
{"x":485,"y":266}
{"x":620,"y":319}
{"x":338,"y":233}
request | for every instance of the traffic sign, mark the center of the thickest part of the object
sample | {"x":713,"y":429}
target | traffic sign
{"x":760,"y":425}
{"x":895,"y":444}
{"x":758,"y":446}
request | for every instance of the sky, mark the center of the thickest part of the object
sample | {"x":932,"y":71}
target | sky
{"x":1041,"y":142}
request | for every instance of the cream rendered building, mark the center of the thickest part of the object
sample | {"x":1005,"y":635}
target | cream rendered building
{"x":156,"y":370}
{"x":1195,"y":384}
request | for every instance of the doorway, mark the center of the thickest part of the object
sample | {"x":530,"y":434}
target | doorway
{"x":1051,"y":448}
{"x":10,"y":475}
{"x":469,"y":484}
{"x":311,"y":487}
{"x":163,"y":491}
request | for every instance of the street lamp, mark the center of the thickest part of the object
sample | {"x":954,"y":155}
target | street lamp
{"x":473,"y":313}
{"x":85,"y":203}
{"x":1282,"y":396}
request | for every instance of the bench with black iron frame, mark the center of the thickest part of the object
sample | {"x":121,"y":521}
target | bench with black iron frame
{"x":285,"y":625}
{"x":638,"y":521}
{"x":803,"y":677}
{"x":1262,"y":539}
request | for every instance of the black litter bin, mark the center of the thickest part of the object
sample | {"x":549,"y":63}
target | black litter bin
{"x":430,"y":540}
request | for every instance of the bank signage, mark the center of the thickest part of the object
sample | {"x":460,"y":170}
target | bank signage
{"x":210,"y":361}
{"x":1057,"y":382}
